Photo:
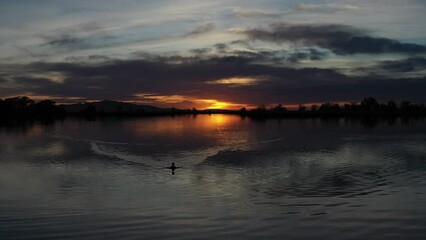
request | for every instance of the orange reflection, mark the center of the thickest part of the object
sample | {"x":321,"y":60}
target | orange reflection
{"x":221,"y":119}
{"x":183,"y":125}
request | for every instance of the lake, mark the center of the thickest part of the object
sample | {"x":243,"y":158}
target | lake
{"x":240,"y":179}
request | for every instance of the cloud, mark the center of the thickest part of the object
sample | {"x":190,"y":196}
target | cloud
{"x":239,"y":81}
{"x":82,"y":36}
{"x":242,"y":12}
{"x":406,"y":65}
{"x":341,"y":39}
{"x":201,"y":29}
{"x":123,"y":79}
{"x":88,"y":59}
{"x":230,"y":79}
{"x":255,"y":13}
{"x":67,"y":41}
{"x":407,"y":68}
{"x":94,"y":37}
{"x":312,"y":54}
{"x":326,"y":8}
{"x":253,"y":54}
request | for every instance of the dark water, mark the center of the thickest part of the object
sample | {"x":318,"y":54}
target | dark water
{"x":241,"y":179}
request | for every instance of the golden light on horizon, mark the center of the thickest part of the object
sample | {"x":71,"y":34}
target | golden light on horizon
{"x":219,"y":105}
{"x":181,"y":101}
{"x":215,"y":104}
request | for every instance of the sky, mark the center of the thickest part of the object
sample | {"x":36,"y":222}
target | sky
{"x":213,"y":53}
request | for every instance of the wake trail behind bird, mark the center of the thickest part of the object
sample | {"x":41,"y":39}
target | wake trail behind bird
{"x":105,"y":151}
{"x":187,"y":158}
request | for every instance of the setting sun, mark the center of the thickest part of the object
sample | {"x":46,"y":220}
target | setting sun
{"x":182,"y":101}
{"x":214,"y":104}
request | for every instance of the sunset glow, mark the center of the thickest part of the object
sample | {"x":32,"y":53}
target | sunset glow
{"x":212,"y":119}
{"x":214,"y":54}
{"x":186,"y":101}
{"x":214,"y":104}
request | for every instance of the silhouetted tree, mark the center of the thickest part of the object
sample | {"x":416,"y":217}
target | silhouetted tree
{"x":18,"y":103}
{"x":336,"y":107}
{"x":370,"y":105}
{"x":405,"y":106}
{"x":45,"y":108}
{"x":243,"y":111}
{"x":279,"y":108}
{"x":329,"y":108}
{"x":350,"y":107}
{"x":90,"y":111}
{"x":25,"y":108}
{"x":261,"y":108}
{"x":325,"y":107}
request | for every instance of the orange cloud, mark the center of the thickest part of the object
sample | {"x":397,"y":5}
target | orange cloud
{"x":181,"y":101}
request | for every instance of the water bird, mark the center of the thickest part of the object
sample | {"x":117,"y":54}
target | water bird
{"x":173,"y":168}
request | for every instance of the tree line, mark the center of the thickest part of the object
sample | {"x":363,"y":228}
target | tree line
{"x":368,"y":106}
{"x":26,"y":108}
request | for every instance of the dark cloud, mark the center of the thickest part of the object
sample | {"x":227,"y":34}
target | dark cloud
{"x":307,"y":54}
{"x":88,"y":59}
{"x":65,"y":41}
{"x":382,"y":89}
{"x":83,"y":36}
{"x":31,"y":52}
{"x":123,"y":79}
{"x":33,"y":82}
{"x":281,"y":56}
{"x":252,"y":54}
{"x":193,"y":77}
{"x":202,"y":29}
{"x":200,"y":51}
{"x":221,"y":46}
{"x":340,"y":39}
{"x":406,"y":65}
{"x":299,"y":8}
{"x":92,"y":36}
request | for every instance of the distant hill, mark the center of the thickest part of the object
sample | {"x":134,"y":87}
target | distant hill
{"x":113,"y":107}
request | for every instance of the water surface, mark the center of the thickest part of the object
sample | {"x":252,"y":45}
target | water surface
{"x":241,"y":179}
